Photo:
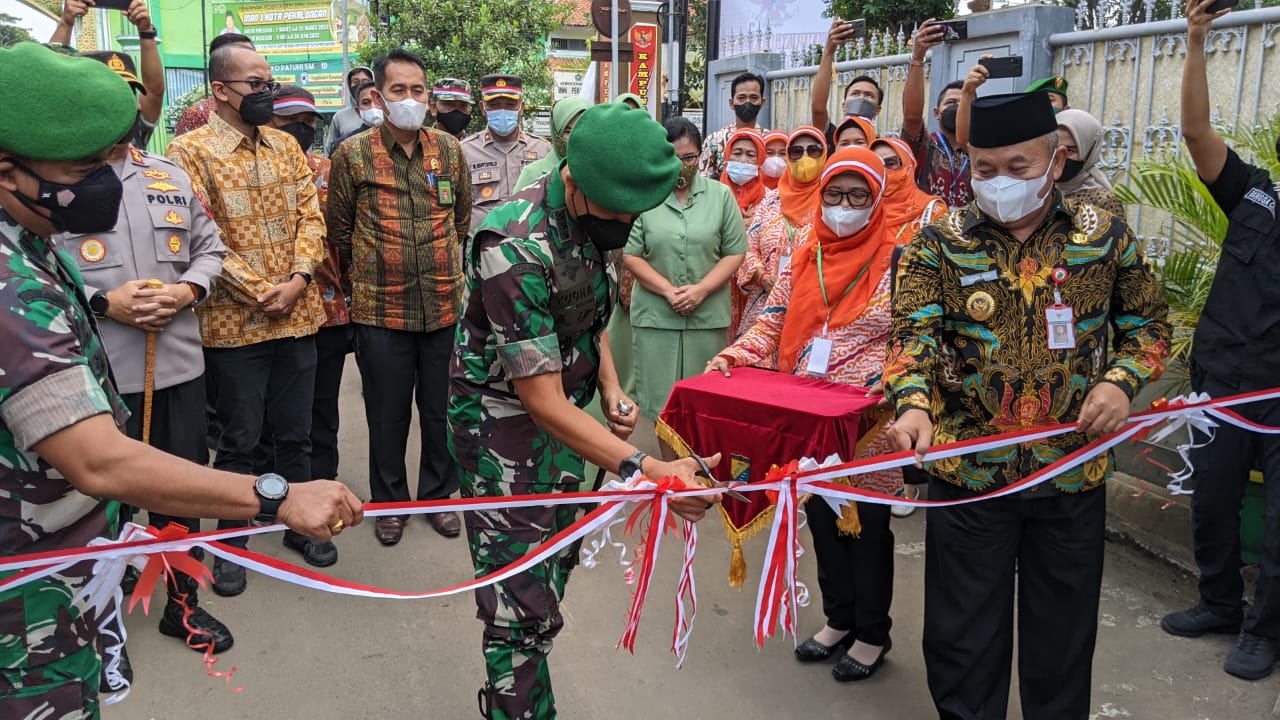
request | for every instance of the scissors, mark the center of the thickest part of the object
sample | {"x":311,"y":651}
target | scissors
{"x":705,"y":471}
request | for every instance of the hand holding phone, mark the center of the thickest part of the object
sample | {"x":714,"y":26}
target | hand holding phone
{"x":121,"y":5}
{"x":954,"y":30}
{"x":1002,"y":67}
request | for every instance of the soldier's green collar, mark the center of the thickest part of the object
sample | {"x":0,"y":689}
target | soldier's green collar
{"x":555,"y":188}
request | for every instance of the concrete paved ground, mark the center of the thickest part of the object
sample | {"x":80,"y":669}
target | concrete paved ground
{"x":304,"y":654}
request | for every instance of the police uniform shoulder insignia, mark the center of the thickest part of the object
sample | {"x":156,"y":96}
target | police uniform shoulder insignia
{"x":92,"y":250}
{"x":136,"y":156}
{"x":163,"y":186}
{"x":175,"y":244}
{"x":156,"y":174}
{"x":530,"y":155}
{"x":173,"y":218}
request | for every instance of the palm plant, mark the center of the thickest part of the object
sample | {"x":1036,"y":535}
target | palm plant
{"x":1257,"y":144}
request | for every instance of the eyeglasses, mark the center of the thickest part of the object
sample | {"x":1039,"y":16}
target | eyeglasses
{"x":795,"y":152}
{"x":892,"y":163}
{"x":689,"y":159}
{"x":857,"y":198}
{"x":257,"y":86}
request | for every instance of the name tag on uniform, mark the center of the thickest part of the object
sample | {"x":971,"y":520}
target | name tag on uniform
{"x":444,"y":191}
{"x":819,"y":356}
{"x":1061,"y":324}
{"x":988,"y":276}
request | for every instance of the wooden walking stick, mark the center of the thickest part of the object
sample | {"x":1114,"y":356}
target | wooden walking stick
{"x":149,"y":378}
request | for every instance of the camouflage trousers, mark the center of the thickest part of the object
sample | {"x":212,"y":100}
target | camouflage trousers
{"x":65,"y":689}
{"x":521,"y":615}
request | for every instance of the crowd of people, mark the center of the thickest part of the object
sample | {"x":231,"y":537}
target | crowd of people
{"x":532,"y":297}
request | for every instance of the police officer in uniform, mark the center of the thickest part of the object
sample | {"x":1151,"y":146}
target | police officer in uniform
{"x":163,"y":233}
{"x":1236,"y":349}
{"x":497,"y":155}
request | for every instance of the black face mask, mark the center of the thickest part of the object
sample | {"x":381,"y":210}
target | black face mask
{"x":454,"y":121}
{"x":948,"y":119}
{"x":1071,"y":170}
{"x":746,"y":112}
{"x":256,"y":108}
{"x":606,"y":235}
{"x":303,"y":133}
{"x":89,"y":206}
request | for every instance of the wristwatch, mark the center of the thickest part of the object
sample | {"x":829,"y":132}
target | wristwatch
{"x":148,"y":34}
{"x":271,"y":490}
{"x":632,"y":465}
{"x":99,"y":304}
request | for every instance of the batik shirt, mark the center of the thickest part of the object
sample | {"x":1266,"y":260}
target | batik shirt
{"x":55,"y":375}
{"x":538,"y":295}
{"x":941,"y":169}
{"x":970,"y":338}
{"x":331,"y":275}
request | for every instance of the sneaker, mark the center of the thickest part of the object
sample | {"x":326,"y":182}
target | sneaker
{"x":1196,"y":621}
{"x":207,"y":628}
{"x":902,"y":511}
{"x":1252,"y":658}
{"x":228,"y":578}
{"x":318,"y":554}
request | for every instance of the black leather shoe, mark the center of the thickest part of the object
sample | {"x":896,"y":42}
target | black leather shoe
{"x":1252,"y":658}
{"x":813,"y":651}
{"x":228,"y":578}
{"x":318,"y":554}
{"x":1199,"y":620}
{"x":207,"y":628}
{"x":850,"y":670}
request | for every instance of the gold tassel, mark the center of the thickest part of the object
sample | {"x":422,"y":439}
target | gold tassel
{"x":849,"y":522}
{"x":737,"y":566}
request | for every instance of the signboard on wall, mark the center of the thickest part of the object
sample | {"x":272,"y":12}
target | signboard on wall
{"x":293,"y":28}
{"x":322,"y":78}
{"x":568,"y":83}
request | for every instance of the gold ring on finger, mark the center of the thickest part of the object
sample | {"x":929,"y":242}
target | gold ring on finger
{"x":336,"y":527}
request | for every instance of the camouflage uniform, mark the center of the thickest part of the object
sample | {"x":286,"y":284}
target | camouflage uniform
{"x":538,"y":295}
{"x":55,"y":375}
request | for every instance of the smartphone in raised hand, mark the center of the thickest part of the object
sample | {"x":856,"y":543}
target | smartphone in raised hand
{"x":1002,"y":67}
{"x":121,"y":5}
{"x":954,"y":30}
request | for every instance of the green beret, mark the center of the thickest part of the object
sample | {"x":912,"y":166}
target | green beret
{"x":621,"y":159}
{"x":1056,"y":84}
{"x":95,"y":109}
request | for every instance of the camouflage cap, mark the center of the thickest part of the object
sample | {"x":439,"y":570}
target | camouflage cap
{"x":96,"y":110}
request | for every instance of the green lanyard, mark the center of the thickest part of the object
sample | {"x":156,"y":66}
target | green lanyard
{"x":822,"y":285}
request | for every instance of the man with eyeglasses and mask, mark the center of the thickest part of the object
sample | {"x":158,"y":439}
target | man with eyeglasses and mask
{"x":259,"y":323}
{"x":497,"y":155}
{"x":746,"y":98}
{"x":541,"y":282}
{"x":163,"y":233}
{"x":1021,"y":310}
{"x":66,"y":464}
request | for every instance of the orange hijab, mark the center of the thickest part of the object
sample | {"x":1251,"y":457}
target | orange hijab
{"x":749,"y":194}
{"x":868,"y":129}
{"x":799,"y":199}
{"x":858,"y":261}
{"x":772,"y":182}
{"x":904,"y":202}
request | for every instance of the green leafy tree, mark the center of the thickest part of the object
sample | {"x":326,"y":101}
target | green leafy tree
{"x":891,"y":14}
{"x":11,"y":33}
{"x":468,"y":39}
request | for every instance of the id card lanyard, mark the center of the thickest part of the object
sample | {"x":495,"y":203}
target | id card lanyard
{"x":786,"y":251}
{"x":820,"y":351}
{"x":1059,"y":317}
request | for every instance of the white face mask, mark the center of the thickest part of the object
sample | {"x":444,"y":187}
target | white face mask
{"x":774,"y":166}
{"x":844,"y":221}
{"x":740,"y":172}
{"x":1007,"y":199}
{"x":407,"y":114}
{"x":371,"y":116}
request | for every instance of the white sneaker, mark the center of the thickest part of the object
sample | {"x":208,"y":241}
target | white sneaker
{"x":904,"y":510}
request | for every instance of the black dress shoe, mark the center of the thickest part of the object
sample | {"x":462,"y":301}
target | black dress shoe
{"x":1199,"y":620}
{"x":850,"y":670}
{"x":228,"y":578}
{"x":207,"y":628}
{"x":318,"y":554}
{"x":813,"y":651}
{"x":1253,"y":657}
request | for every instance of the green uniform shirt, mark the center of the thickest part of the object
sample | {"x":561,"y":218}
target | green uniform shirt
{"x":55,"y":375}
{"x":683,"y":244}
{"x":538,"y":294}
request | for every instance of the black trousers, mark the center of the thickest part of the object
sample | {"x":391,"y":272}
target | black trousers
{"x":274,"y":380}
{"x":332,"y":346}
{"x":855,"y":575}
{"x":397,"y":367}
{"x":1221,"y":472}
{"x":177,"y":427}
{"x":1053,"y":546}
